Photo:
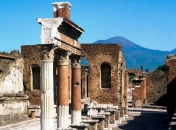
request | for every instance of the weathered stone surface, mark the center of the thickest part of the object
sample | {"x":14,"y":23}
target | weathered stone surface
{"x":13,"y":106}
{"x":156,"y":87}
{"x":171,"y":82}
{"x":12,"y":118}
{"x":139,"y":91}
{"x":98,"y":54}
{"x":135,"y":72}
{"x":31,"y":56}
{"x":34,"y":97}
{"x":138,"y":103}
{"x":11,"y":72}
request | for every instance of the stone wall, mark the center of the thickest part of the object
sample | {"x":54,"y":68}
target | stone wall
{"x":156,"y":87}
{"x":31,"y":80}
{"x":13,"y":107}
{"x":136,"y":72}
{"x":138,"y":92}
{"x":11,"y":72}
{"x":171,"y":83}
{"x":31,"y":56}
{"x":13,"y":104}
{"x":97,"y":54}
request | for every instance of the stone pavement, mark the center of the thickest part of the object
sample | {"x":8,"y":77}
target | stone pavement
{"x":139,"y":119}
{"x":148,"y":119}
{"x":33,"y":124}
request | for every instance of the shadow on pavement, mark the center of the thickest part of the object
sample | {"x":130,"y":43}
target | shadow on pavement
{"x":150,"y":121}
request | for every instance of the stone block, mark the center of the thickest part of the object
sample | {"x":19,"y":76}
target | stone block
{"x":92,"y":124}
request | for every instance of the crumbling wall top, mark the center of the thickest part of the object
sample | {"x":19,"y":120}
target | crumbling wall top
{"x":171,"y":56}
{"x":12,"y":55}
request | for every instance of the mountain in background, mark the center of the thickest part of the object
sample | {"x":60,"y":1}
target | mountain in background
{"x":173,"y":51}
{"x":136,"y":55}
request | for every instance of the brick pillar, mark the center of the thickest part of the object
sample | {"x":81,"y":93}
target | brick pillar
{"x":47,"y":99}
{"x":84,"y":84}
{"x":76,"y":90}
{"x":61,"y":9}
{"x":144,"y":82}
{"x":63,"y":91}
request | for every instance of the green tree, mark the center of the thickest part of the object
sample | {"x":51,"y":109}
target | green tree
{"x":162,"y":68}
{"x":142,"y":68}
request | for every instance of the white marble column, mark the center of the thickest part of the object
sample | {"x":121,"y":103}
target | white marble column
{"x":47,"y":98}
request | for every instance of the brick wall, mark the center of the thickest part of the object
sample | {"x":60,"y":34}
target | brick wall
{"x":156,"y":87}
{"x":31,"y":56}
{"x":138,"y":92}
{"x":112,"y":54}
{"x":135,"y":72}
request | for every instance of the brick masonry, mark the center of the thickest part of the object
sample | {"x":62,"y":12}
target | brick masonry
{"x":156,"y":87}
{"x":138,"y":92}
{"x":97,"y":54}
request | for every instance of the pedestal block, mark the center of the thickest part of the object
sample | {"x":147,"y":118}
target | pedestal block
{"x":112,"y":115}
{"x":92,"y":124}
{"x":101,"y":122}
{"x":117,"y":115}
{"x":121,"y":109}
{"x":80,"y":126}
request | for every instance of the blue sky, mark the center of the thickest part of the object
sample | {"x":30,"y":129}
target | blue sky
{"x":149,"y":23}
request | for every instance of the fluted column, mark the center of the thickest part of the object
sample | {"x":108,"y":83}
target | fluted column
{"x":47,"y":99}
{"x":76,"y":90}
{"x":63,"y":91}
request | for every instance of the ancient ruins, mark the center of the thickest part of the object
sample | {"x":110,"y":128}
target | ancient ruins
{"x":13,"y":102}
{"x":171,"y":81}
{"x":47,"y":80}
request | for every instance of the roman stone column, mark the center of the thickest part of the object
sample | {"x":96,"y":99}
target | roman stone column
{"x":47,"y":99}
{"x":63,"y":90}
{"x":76,"y":90}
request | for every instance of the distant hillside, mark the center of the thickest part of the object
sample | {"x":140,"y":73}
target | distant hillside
{"x":173,"y":51}
{"x":136,"y":55}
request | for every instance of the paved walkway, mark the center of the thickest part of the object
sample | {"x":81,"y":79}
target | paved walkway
{"x":143,"y":119}
{"x":139,"y":119}
{"x":33,"y":124}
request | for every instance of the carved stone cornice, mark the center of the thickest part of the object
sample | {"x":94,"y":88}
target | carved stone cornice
{"x":50,"y":34}
{"x":47,"y":52}
{"x":63,"y":57}
{"x":76,"y":62}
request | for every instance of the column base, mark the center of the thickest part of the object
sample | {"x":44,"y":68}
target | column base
{"x":47,"y":124}
{"x":75,"y":116}
{"x":63,"y":117}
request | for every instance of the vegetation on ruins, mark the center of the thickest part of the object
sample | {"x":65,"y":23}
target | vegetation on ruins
{"x":131,"y":76}
{"x":162,"y":69}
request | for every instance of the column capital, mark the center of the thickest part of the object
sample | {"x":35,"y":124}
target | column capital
{"x":63,"y":57}
{"x":47,"y":52}
{"x":76,"y":62}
